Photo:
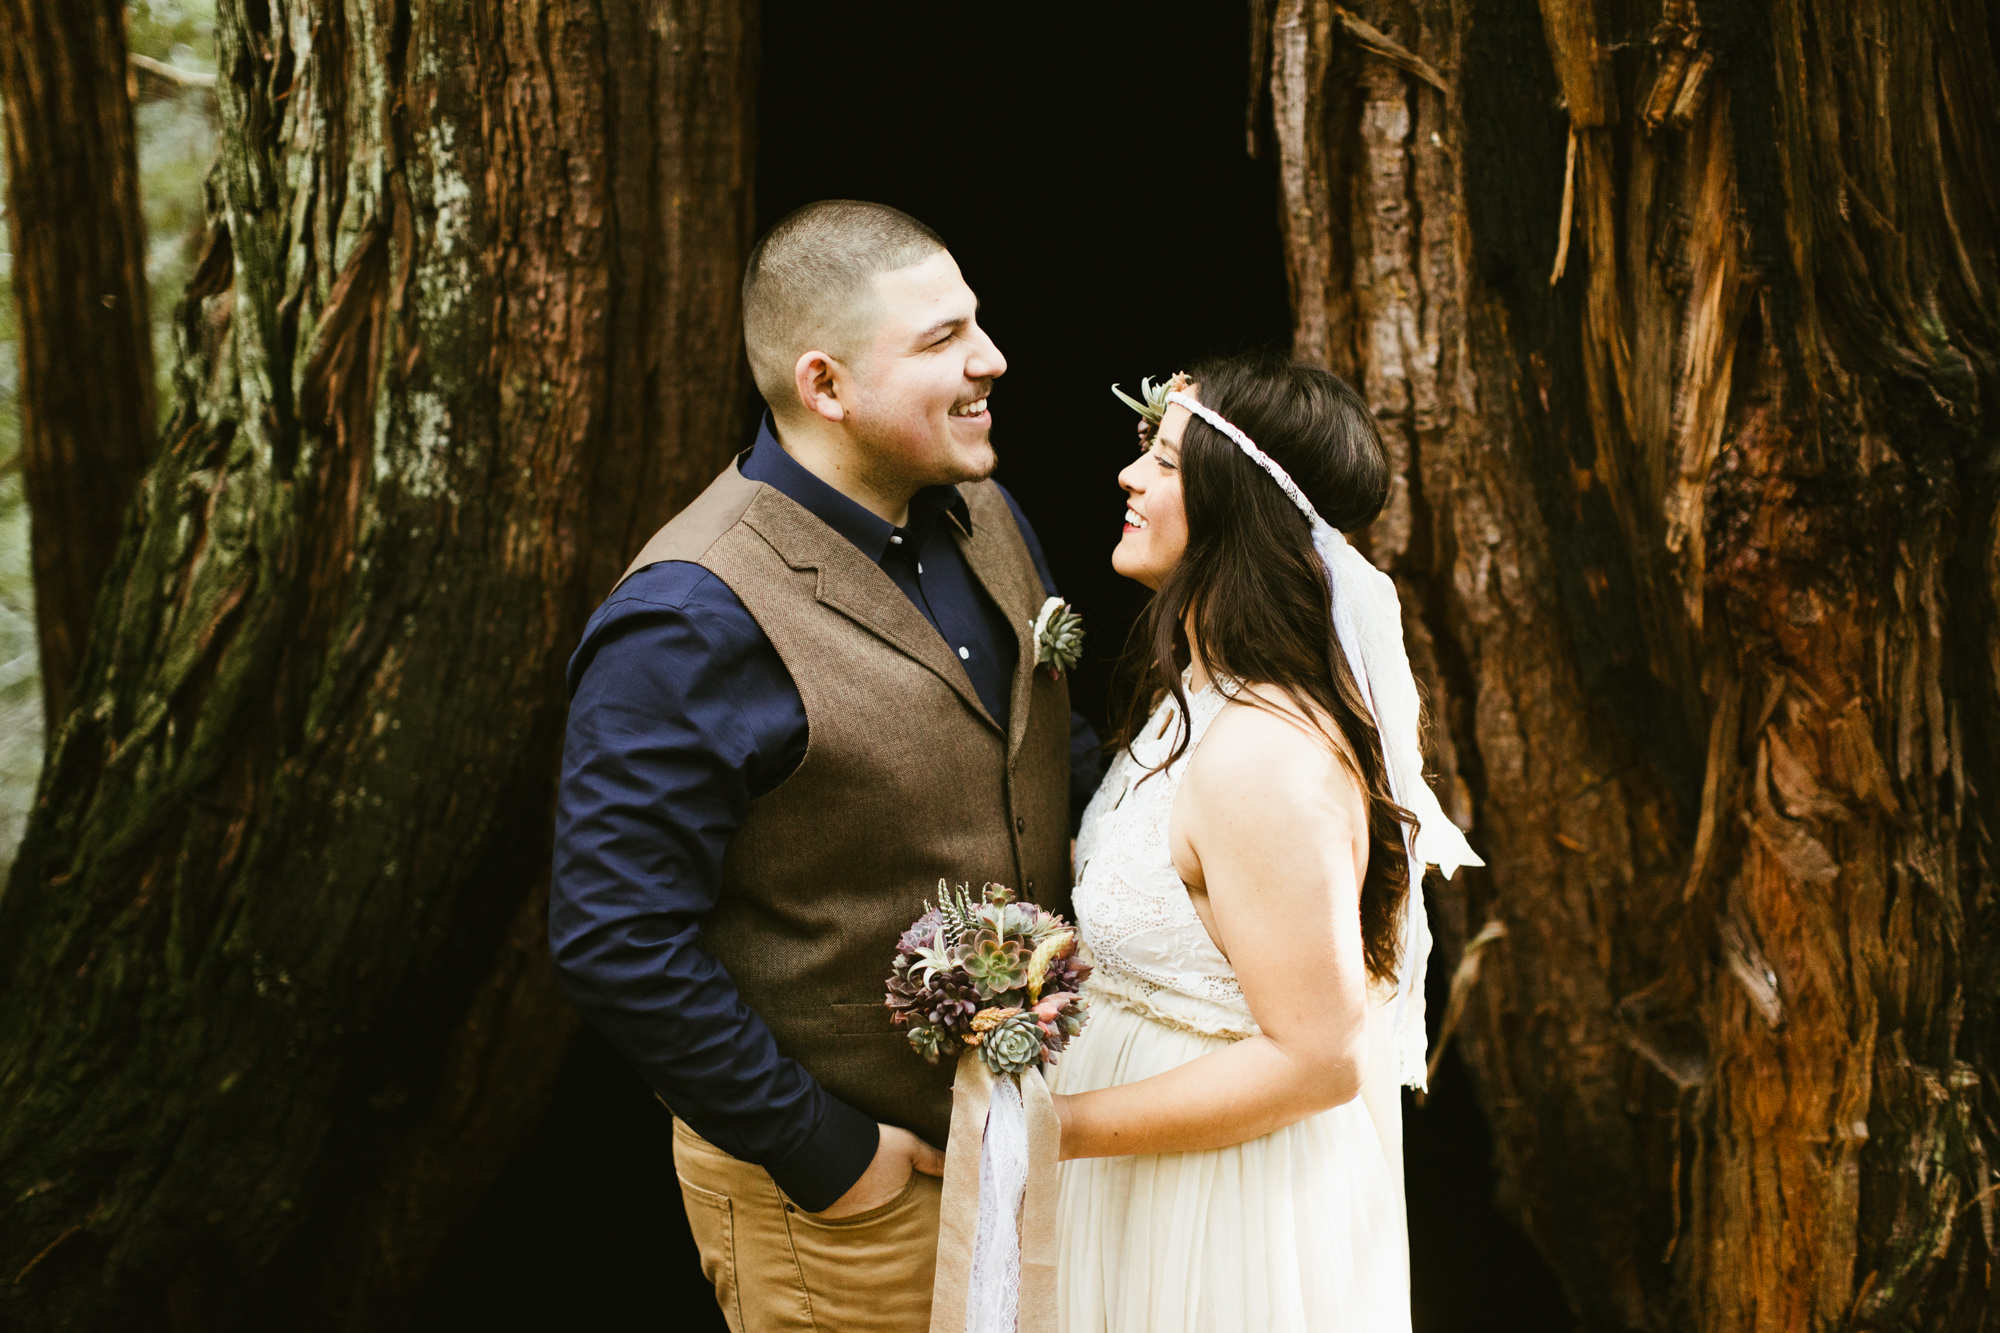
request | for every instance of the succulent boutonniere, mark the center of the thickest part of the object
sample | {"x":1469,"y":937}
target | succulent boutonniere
{"x":1058,"y":635}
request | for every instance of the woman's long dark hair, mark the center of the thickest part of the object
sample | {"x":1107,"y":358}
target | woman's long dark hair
{"x":1255,"y":591}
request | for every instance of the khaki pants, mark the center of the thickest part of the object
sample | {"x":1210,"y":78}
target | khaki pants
{"x":777,"y":1268}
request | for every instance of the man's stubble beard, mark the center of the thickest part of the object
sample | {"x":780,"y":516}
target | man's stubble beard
{"x":989,"y":467}
{"x":882,"y":444}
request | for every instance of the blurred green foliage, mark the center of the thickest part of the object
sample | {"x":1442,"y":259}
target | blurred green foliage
{"x":176,"y":130}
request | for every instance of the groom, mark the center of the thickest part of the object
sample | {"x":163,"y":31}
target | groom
{"x":813,"y":695}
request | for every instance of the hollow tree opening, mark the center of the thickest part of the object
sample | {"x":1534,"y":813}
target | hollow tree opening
{"x":1102,"y":203}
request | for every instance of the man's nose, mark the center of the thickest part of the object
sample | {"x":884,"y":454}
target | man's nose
{"x":986,"y":362}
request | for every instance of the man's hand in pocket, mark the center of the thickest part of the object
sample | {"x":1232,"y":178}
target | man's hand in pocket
{"x":897,"y":1153}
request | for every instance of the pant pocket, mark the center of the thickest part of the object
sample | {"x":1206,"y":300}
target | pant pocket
{"x":872,"y":1273}
{"x":857,"y":1221}
{"x":712,"y":1219}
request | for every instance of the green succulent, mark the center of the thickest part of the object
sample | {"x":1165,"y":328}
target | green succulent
{"x":1154,"y":395}
{"x":995,"y":965}
{"x":1014,"y":1047}
{"x":1058,"y":637}
{"x":928,"y":1042}
{"x":957,"y":911}
{"x":1006,"y":919}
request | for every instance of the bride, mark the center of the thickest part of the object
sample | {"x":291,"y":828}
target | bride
{"x":1231,"y":1122}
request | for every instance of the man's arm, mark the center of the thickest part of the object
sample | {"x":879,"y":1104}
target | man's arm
{"x":1086,"y":759}
{"x":681,"y":714}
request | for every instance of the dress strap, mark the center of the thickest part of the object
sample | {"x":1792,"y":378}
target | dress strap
{"x":1205,"y":707}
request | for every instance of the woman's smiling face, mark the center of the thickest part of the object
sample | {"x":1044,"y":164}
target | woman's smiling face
{"x":1155,"y":519}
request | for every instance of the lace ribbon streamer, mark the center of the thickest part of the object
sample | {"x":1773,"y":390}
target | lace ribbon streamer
{"x":996,"y":1269}
{"x":1368,"y":620}
{"x":993,"y":1294}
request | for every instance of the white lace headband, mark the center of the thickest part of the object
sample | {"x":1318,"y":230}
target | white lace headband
{"x":1368,"y":621}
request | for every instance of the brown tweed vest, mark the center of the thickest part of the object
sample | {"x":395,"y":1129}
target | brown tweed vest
{"x":906,"y":779}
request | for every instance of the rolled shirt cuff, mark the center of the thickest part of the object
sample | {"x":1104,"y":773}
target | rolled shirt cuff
{"x":816,"y":1173}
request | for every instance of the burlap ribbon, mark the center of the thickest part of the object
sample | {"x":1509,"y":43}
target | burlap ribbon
{"x":958,"y":1227}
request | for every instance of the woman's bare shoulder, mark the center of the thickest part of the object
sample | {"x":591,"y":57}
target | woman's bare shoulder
{"x":1264,"y":748}
{"x":1288,"y":708}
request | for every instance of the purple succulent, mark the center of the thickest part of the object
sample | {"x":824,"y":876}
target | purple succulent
{"x":905,"y":991}
{"x":1066,"y":975}
{"x":949,"y":1001}
{"x":920,"y":934}
{"x":1060,"y":1017}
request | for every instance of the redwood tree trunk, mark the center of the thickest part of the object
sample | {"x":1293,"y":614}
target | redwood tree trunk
{"x":1680,"y":321}
{"x":274,"y":1005}
{"x":80,"y":287}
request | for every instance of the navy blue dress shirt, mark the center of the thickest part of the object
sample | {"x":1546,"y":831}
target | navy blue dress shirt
{"x":681,"y":714}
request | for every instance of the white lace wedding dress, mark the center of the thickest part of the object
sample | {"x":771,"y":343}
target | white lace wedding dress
{"x":1300,"y":1230}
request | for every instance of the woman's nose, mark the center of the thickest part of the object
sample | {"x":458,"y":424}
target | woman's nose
{"x":1128,"y":479}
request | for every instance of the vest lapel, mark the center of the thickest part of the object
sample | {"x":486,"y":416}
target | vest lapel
{"x":856,"y":586}
{"x":997,"y":556}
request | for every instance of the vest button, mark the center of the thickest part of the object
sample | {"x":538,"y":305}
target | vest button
{"x":1031,"y":886}
{"x":1020,"y":826}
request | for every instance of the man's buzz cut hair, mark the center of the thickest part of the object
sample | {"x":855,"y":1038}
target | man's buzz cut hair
{"x":808,"y":283}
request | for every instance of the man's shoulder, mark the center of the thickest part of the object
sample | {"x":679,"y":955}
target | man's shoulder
{"x":689,"y":535}
{"x":669,"y":586}
{"x":669,"y":608}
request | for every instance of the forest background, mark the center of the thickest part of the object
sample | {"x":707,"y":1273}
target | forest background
{"x":1678,"y":319}
{"x":175,"y":125}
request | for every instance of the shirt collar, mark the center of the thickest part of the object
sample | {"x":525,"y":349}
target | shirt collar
{"x":768,"y":462}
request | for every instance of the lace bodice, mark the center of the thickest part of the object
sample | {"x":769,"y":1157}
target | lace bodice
{"x":1138,"y":926}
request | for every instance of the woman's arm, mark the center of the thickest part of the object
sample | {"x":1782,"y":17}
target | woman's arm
{"x":1265,"y":820}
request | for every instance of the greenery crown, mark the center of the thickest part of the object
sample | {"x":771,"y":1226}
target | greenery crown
{"x":1152,"y":401}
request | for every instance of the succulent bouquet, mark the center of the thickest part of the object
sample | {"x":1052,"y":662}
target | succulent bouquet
{"x":988,"y":973}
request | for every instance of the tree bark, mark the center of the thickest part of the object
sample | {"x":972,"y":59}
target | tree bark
{"x":274,"y":1002}
{"x":86,"y":397}
{"x":1680,"y":323}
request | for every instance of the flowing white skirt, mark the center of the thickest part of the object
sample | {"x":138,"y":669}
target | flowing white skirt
{"x":1301,"y":1231}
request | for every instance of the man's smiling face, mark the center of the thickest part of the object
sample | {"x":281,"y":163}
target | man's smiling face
{"x":921,"y":381}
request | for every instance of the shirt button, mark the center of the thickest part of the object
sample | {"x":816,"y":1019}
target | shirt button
{"x":895,"y":539}
{"x":920,"y":566}
{"x":1020,"y":826}
{"x":965,"y":654}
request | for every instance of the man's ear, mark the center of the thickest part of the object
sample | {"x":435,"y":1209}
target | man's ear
{"x":817,"y":377}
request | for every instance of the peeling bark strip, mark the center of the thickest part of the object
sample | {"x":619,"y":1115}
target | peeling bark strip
{"x":79,"y":281}
{"x":1700,"y":556}
{"x":274,"y":1006}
